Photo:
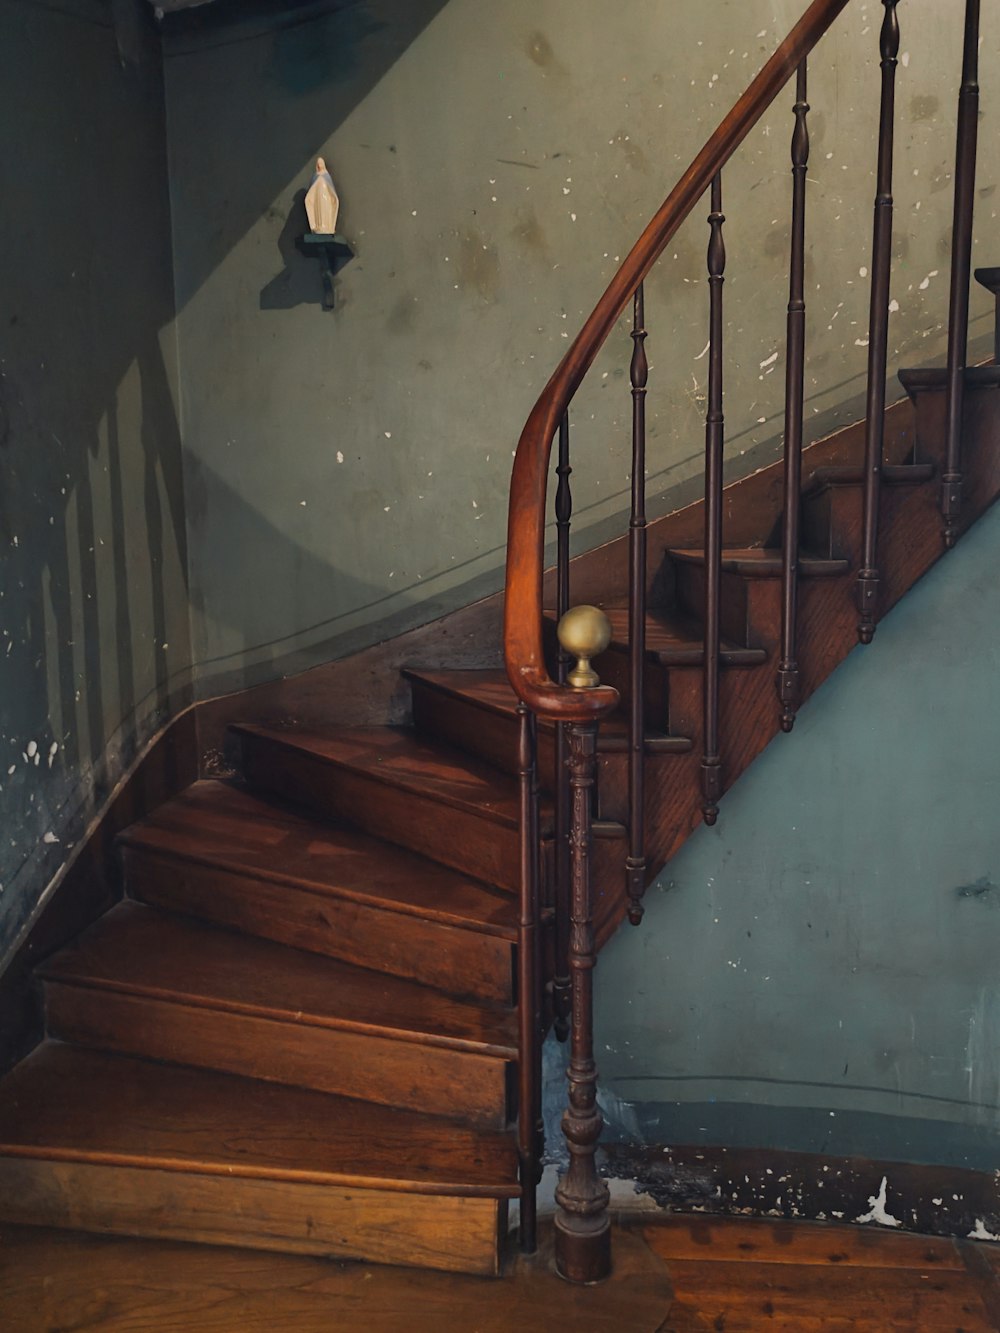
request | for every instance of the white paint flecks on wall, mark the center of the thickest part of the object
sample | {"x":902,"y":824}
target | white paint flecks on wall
{"x":879,"y":1213}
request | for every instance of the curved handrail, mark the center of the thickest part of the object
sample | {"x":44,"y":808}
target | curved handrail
{"x":526,"y":518}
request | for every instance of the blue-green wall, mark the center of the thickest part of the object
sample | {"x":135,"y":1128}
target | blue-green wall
{"x":821,"y":971}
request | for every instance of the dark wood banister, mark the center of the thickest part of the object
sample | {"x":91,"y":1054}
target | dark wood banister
{"x":526,"y":521}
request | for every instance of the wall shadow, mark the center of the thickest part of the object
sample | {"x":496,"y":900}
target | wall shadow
{"x":95,"y":652}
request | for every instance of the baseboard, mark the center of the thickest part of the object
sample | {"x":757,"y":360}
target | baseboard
{"x":764,"y":1182}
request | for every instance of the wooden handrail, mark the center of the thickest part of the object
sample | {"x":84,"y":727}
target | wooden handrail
{"x":526,"y":519}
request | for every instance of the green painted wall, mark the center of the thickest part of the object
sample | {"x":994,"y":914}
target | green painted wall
{"x":347,"y":472}
{"x":94,"y":642}
{"x":821,"y":971}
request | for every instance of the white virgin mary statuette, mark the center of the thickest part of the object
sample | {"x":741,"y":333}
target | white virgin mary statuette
{"x":322,"y":204}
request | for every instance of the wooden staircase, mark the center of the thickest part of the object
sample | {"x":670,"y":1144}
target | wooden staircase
{"x":303,"y":1028}
{"x":298,"y":1031}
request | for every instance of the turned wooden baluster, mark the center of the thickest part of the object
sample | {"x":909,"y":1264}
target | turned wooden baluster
{"x":635,"y":864}
{"x":560,"y":980}
{"x":961,"y":267}
{"x":788,"y":669}
{"x":529,"y":1146}
{"x":711,"y":764}
{"x":878,"y":329}
{"x":583,"y":1235}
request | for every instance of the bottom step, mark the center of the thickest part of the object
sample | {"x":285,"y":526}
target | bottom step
{"x":107,"y":1143}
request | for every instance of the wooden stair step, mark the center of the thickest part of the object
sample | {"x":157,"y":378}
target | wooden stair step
{"x":225,"y":855}
{"x":149,"y":983}
{"x":111,"y":1143}
{"x":490,"y":692}
{"x":430,"y":797}
{"x":990,"y":279}
{"x":893,"y":474}
{"x":673,"y":639}
{"x":762,"y":562}
{"x":927,"y":378}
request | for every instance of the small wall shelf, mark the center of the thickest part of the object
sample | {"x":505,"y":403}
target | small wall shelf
{"x":332,"y":251}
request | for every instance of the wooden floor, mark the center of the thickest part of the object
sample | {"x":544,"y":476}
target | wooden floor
{"x":684,"y":1275}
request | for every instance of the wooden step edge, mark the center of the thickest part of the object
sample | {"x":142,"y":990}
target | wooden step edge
{"x":218,"y":1004}
{"x":387,"y":778}
{"x":893,"y":474}
{"x":429,"y":679}
{"x":767,"y":566}
{"x":989,"y":278}
{"x":691,"y":654}
{"x":656,"y":742}
{"x":248,"y":1171}
{"x":730,"y":655}
{"x":135,"y":842}
{"x":609,"y":829}
{"x":925,"y":378}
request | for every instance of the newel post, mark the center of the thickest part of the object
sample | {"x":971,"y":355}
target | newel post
{"x":582,"y":1226}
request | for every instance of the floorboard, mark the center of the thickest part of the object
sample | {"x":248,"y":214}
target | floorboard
{"x":681,"y":1275}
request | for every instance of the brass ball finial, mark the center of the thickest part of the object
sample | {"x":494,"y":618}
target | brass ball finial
{"x":584,"y":631}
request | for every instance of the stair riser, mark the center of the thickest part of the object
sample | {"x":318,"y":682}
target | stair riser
{"x":439,"y":1232}
{"x":365,"y":1066}
{"x":832,"y":523}
{"x":980,"y":456}
{"x":733,"y":613}
{"x":462,"y":962}
{"x":749,"y":608}
{"x":614,"y":669}
{"x":479,"y":731}
{"x":476,"y":845}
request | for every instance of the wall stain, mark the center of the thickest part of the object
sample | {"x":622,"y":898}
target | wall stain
{"x":539,"y":50}
{"x":901,"y":246}
{"x":983,"y":889}
{"x":777,"y":243}
{"x":634,"y":155}
{"x":402,"y":316}
{"x":478,"y":266}
{"x":924,"y":106}
{"x":529,"y":233}
{"x":987,"y":192}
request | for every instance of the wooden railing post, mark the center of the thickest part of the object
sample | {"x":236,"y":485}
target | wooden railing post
{"x":878,"y":329}
{"x":715,"y":430}
{"x":529,"y":1146}
{"x":788,"y":668}
{"x":583,"y":1233}
{"x":560,"y":978}
{"x":961,"y":270}
{"x":635,"y":863}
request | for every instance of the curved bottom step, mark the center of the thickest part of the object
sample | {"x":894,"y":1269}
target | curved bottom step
{"x":112,"y":1144}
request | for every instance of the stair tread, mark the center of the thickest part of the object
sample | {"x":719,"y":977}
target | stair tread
{"x":677,"y":640}
{"x":936,"y":377}
{"x":221,"y":825}
{"x":402,"y":759}
{"x":490,"y":689}
{"x":143,"y":951}
{"x":765,"y":562}
{"x":893,"y":474}
{"x":70,"y":1104}
{"x":989,"y":277}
